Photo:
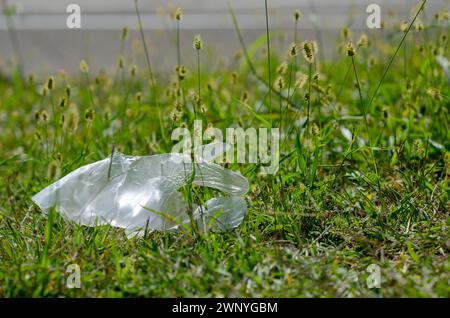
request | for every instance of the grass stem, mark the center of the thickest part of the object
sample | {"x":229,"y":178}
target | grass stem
{"x":268,"y":56}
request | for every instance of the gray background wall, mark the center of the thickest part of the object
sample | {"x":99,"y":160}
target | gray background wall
{"x":48,"y":46}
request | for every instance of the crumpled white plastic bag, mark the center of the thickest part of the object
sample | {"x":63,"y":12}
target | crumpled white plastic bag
{"x":445,"y":64}
{"x":141,"y":193}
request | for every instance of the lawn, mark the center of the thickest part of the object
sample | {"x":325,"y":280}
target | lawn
{"x":362,"y":187}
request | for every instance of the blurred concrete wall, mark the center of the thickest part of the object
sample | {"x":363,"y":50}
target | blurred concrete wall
{"x":47,"y":45}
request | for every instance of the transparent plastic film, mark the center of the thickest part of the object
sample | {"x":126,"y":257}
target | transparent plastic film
{"x":138,"y":193}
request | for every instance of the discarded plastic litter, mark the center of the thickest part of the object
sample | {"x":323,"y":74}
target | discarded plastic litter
{"x":138,"y":193}
{"x":445,"y":64}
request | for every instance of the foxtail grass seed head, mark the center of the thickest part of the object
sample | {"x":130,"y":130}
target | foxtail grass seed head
{"x":318,"y":88}
{"x":50,"y":85}
{"x":238,"y":55}
{"x":435,"y":93}
{"x":385,"y":111}
{"x":279,"y":83}
{"x":138,"y":97}
{"x":315,"y":130}
{"x":300,"y":80}
{"x":346,"y":33}
{"x":53,"y":170}
{"x":181,"y":72}
{"x":418,"y":148}
{"x":63,"y":102}
{"x":31,"y":79}
{"x":178,"y":15}
{"x":282,"y":68}
{"x":293,"y":50}
{"x":297,"y":15}
{"x":335,"y":124}
{"x":193,"y":96}
{"x":89,"y":115}
{"x":244,"y":97}
{"x":44,"y":116}
{"x":363,"y":41}
{"x":175,"y":116}
{"x":442,"y":16}
{"x":233,"y":78}
{"x":421,"y":48}
{"x":316,"y":77}
{"x":73,"y":117}
{"x":445,"y":15}
{"x":133,"y":70}
{"x":409,"y":85}
{"x":178,"y":106}
{"x":198,"y":43}
{"x":124,"y":35}
{"x":68,"y":91}
{"x":404,"y":26}
{"x":418,"y":25}
{"x":121,"y":62}
{"x":351,"y":49}
{"x":61,"y":121}
{"x":308,"y":51}
{"x":84,"y":67}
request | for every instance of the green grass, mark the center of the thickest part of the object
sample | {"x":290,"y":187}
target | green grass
{"x":335,"y":206}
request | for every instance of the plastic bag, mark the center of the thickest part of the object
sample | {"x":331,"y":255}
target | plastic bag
{"x":141,"y":193}
{"x":445,"y":64}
